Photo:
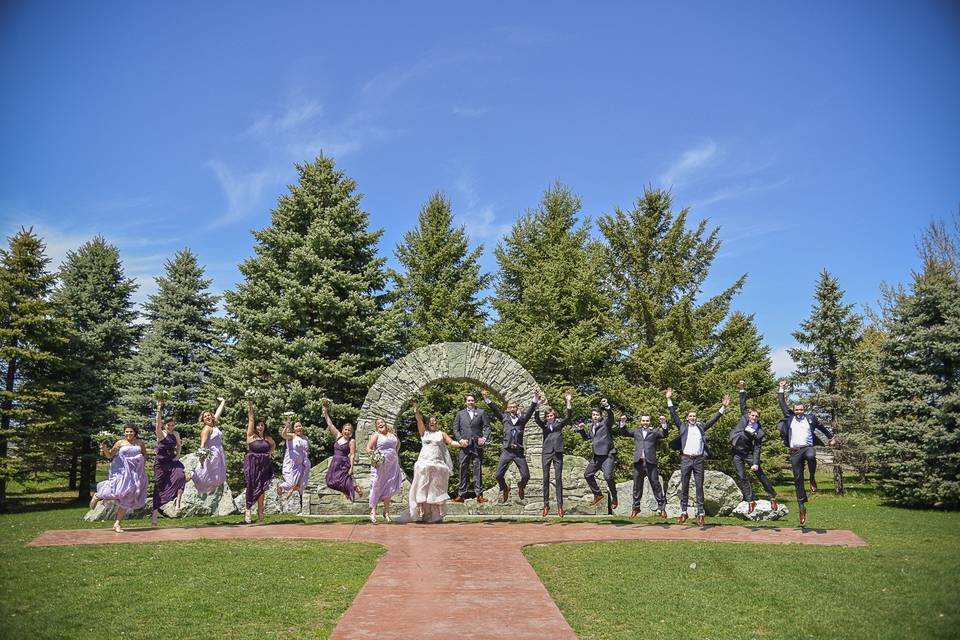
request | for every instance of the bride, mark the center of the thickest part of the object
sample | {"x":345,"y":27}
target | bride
{"x":431,"y":473}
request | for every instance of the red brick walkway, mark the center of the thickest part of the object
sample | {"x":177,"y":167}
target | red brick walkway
{"x":434,"y":579}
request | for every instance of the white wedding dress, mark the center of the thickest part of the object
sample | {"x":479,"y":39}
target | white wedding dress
{"x":431,"y":475}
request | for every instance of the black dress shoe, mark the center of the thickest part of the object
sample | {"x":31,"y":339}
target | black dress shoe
{"x":520,"y":492}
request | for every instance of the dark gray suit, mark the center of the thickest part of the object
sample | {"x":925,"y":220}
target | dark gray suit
{"x":512,"y":450}
{"x":604,"y":454}
{"x":465,"y":428}
{"x":745,"y":439}
{"x":800,"y":456}
{"x":692,"y":464}
{"x":645,"y":462}
{"x":553,"y":454}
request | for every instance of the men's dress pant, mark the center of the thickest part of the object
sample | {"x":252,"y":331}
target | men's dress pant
{"x":605,"y":464}
{"x":506,"y":457}
{"x":555,"y":459}
{"x":741,"y":461}
{"x":799,"y":459}
{"x":694,"y":465}
{"x":470,"y":457}
{"x":648,"y":470}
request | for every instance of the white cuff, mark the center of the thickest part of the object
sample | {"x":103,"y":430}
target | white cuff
{"x":669,"y":402}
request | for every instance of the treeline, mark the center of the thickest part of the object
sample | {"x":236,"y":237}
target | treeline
{"x":611,"y":307}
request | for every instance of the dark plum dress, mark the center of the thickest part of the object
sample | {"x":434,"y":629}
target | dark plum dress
{"x":338,"y":473}
{"x":168,"y":475}
{"x":257,"y":470}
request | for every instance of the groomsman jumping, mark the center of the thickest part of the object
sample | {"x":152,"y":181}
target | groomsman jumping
{"x":693,"y":452}
{"x":471,"y":427}
{"x":600,"y":435}
{"x":745,"y":438}
{"x":797,"y":431}
{"x":552,"y":454}
{"x":512,"y":451}
{"x":645,"y":440}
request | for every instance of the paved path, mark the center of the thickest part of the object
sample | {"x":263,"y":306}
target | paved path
{"x":426,"y":587}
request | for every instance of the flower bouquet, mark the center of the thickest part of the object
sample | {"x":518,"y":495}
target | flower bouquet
{"x":325,"y":403}
{"x":160,"y":395}
{"x":202,"y":454}
{"x":106,"y":438}
{"x":377,"y":458}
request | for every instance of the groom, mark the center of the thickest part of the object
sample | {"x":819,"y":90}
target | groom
{"x":471,"y":427}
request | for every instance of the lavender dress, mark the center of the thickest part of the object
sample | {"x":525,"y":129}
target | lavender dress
{"x":386,"y":479}
{"x":168,"y":477}
{"x":338,"y":473}
{"x":212,"y":472}
{"x":296,"y":464}
{"x":257,"y":470}
{"x":127,"y":482}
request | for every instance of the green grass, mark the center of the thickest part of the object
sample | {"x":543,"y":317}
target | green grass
{"x":904,"y":584}
{"x":203,"y":589}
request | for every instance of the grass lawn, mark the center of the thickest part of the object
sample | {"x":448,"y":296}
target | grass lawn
{"x":203,"y":589}
{"x":905,"y":584}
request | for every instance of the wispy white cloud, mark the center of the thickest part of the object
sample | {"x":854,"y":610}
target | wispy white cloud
{"x":293,"y":117}
{"x":732,"y":191}
{"x":690,"y":161}
{"x":478,"y":219}
{"x":243,"y":191}
{"x":783,"y":364}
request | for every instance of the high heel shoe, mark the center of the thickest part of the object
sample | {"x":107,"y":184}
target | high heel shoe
{"x":246,"y":516}
{"x":117,"y":527}
{"x":373,"y":517}
{"x":386,"y":516}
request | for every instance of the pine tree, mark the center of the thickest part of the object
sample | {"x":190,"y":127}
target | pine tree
{"x":311,"y":319}
{"x":30,"y":335}
{"x":94,"y":299}
{"x":918,"y":408}
{"x":175,"y":351}
{"x":828,"y":360}
{"x":440,"y":290}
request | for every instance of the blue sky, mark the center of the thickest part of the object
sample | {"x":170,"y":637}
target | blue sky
{"x":817,"y":135}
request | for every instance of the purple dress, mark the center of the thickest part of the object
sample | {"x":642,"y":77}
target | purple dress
{"x":212,"y":472}
{"x":127,"y":482}
{"x":386,"y":479}
{"x":338,"y":473}
{"x":296,"y":464}
{"x":168,"y":476}
{"x":257,"y":470}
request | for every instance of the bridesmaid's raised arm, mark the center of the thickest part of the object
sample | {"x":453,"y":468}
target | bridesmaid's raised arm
{"x":250,"y":427}
{"x":330,"y":426}
{"x":219,"y":411}
{"x":284,"y":431}
{"x":159,"y":420}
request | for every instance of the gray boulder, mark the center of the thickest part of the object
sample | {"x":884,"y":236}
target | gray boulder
{"x":106,"y":510}
{"x":763,"y":511}
{"x":271,"y":503}
{"x":648,"y":504}
{"x":218,"y":502}
{"x":720,"y":494}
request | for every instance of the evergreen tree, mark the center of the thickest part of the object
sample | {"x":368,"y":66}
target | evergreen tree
{"x":918,"y":407}
{"x":30,"y":335}
{"x":175,"y":351}
{"x":311,"y":319}
{"x":440,"y":288}
{"x":94,"y":299}
{"x":828,"y":361}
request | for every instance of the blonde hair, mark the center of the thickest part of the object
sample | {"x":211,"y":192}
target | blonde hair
{"x":205,"y":413}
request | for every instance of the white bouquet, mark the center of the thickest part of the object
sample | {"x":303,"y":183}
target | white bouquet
{"x":377,"y":458}
{"x":202,"y":454}
{"x":107,"y":438}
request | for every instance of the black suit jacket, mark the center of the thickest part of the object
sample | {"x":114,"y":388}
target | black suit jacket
{"x":812,"y":421}
{"x":602,"y":441}
{"x":466,"y":429}
{"x":646,"y":445}
{"x":740,"y":439}
{"x":553,"y":439}
{"x":681,"y":440}
{"x":508,"y":424}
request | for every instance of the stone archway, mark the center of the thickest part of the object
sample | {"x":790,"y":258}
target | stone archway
{"x":454,"y":362}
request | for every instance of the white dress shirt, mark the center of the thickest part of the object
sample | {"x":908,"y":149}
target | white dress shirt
{"x":800,"y":433}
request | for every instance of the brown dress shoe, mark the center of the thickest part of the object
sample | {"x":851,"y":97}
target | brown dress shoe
{"x":481,"y":500}
{"x":613,"y":505}
{"x":596,"y":500}
{"x":683,"y":518}
{"x":457,"y":499}
{"x":546,"y":511}
{"x":813,"y":487}
{"x":505,"y":495}
{"x":753,"y":505}
{"x":520,"y":492}
{"x":633,"y":514}
{"x":700,"y":520}
{"x":561,"y":512}
{"x":803,"y":517}
{"x":773,"y":504}
{"x":663,"y":515}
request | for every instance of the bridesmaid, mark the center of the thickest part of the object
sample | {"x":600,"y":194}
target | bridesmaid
{"x":127,"y":483}
{"x":257,"y":468}
{"x":168,"y":474}
{"x":296,"y":460}
{"x":385,"y":478}
{"x":212,"y":472}
{"x":340,"y":472}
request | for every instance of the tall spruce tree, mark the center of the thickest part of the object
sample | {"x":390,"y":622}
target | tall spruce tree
{"x":827,"y":362}
{"x":917,"y":414}
{"x":665,"y":337}
{"x":440,"y":287}
{"x":311,"y":319}
{"x":178,"y":344}
{"x":30,"y":335}
{"x":94,"y":299}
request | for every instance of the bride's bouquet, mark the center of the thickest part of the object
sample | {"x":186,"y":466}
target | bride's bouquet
{"x":202,"y":454}
{"x":377,"y":458}
{"x":160,"y":395}
{"x":325,"y":403}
